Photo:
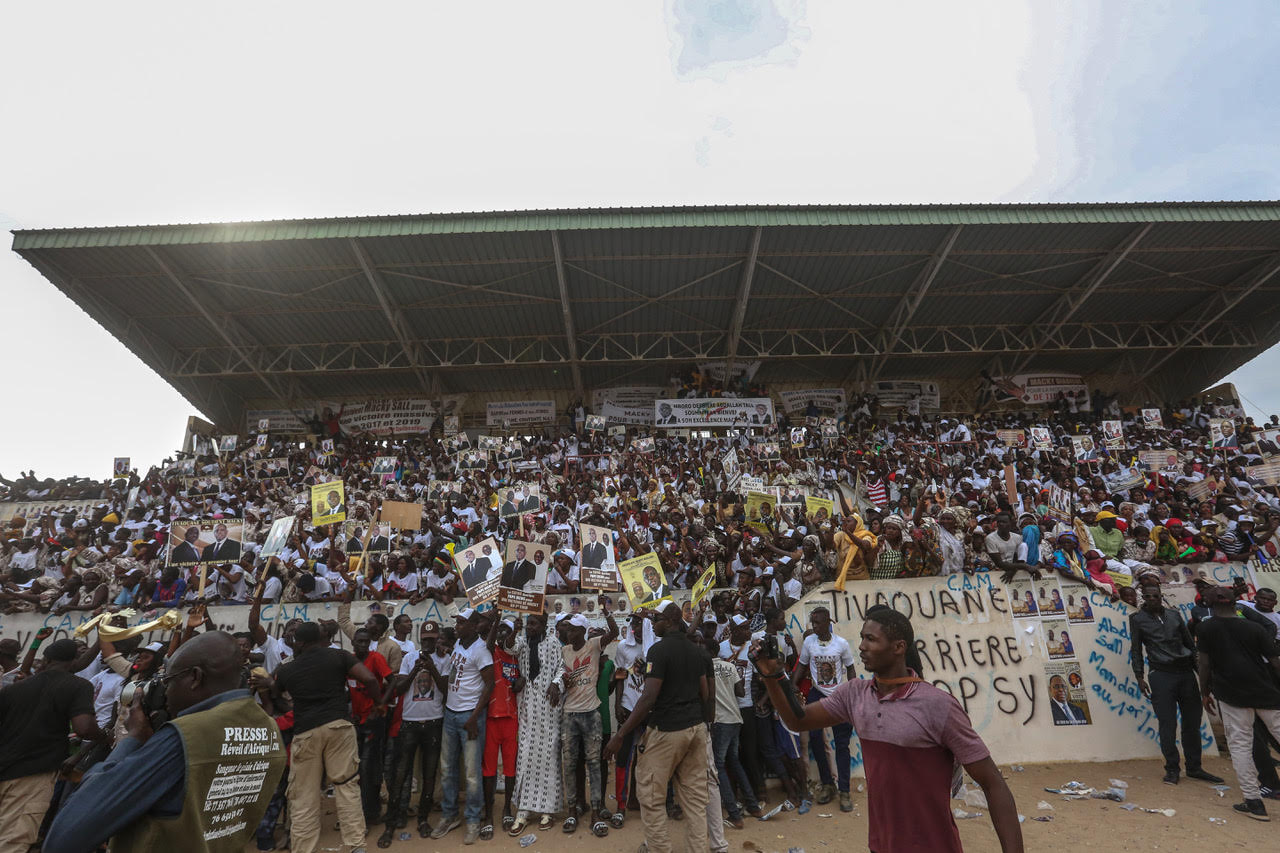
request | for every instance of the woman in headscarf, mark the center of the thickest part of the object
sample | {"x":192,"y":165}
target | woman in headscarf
{"x":891,"y":556}
{"x":1070,"y":562}
{"x":538,"y":786}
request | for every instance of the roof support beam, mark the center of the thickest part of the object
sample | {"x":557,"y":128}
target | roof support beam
{"x":240,"y":341}
{"x":1045,"y":327}
{"x":395,"y":319}
{"x":571,"y":338}
{"x":739,"y":315}
{"x":1214,"y":308}
{"x":911,"y":301}
{"x":212,"y":396}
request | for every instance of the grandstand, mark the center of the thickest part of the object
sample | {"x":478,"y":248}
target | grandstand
{"x":1153,"y":301}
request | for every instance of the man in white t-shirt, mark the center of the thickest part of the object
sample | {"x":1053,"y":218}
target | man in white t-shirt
{"x":423,"y":680}
{"x":734,"y":650}
{"x":828,"y":661}
{"x":470,"y":686}
{"x":1002,"y":546}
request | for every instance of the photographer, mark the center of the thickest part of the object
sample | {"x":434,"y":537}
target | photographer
{"x":152,"y":791}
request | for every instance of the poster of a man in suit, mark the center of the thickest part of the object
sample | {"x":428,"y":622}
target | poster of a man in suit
{"x":597,"y":563}
{"x":193,"y":541}
{"x":479,"y":567}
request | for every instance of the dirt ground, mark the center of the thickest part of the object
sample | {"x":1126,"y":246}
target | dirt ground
{"x":1077,"y":825}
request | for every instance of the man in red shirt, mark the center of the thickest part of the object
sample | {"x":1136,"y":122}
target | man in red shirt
{"x":912,"y":734}
{"x":371,"y":731}
{"x":501,"y":729}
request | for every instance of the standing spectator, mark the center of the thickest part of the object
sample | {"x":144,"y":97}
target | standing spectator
{"x":538,"y":789}
{"x":324,"y":740}
{"x":673,"y":705}
{"x":502,"y":724}
{"x":1173,"y":691}
{"x":1232,"y":670}
{"x":423,"y":680}
{"x":371,"y":728}
{"x":470,"y":685}
{"x":726,"y":744}
{"x":35,"y":714}
{"x":828,"y":661}
{"x":580,"y":727}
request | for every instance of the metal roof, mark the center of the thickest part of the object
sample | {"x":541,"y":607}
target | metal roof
{"x":1152,"y":299}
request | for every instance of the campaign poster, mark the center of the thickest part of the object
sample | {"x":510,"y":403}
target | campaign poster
{"x":1013,"y":438}
{"x":1222,"y":433}
{"x":120,"y":466}
{"x":1152,"y":419}
{"x":703,"y":585}
{"x":204,"y":540}
{"x":797,"y":438}
{"x":597,"y":563}
{"x":203,"y":485}
{"x":523,"y":585}
{"x":792,"y":497}
{"x":1041,"y":438}
{"x":328,"y":504}
{"x":270,"y":469}
{"x":516,"y":500}
{"x":1164,"y":461}
{"x":264,"y":424}
{"x":830,"y":430}
{"x":713,"y":412}
{"x":1049,"y":597}
{"x":1057,"y":639}
{"x":445,"y":490}
{"x":1022,"y":599}
{"x":1268,"y":473}
{"x":278,"y":536}
{"x":1061,"y":504}
{"x":1079,"y":610}
{"x":450,"y":424}
{"x":357,"y":531}
{"x":473,"y":460}
{"x":732,"y":471}
{"x":820,"y":508}
{"x":509,"y":451}
{"x":825,"y":399}
{"x":261,"y":442}
{"x":1113,"y":435}
{"x":644,"y":581}
{"x":1084,"y":448}
{"x":596,"y":423}
{"x":1068,"y":699}
{"x":767,"y":451}
{"x":326,"y":447}
{"x":643,"y":444}
{"x":479,"y":569}
{"x":384,"y":466}
{"x":760,"y":515}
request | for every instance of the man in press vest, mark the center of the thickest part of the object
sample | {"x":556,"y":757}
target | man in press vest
{"x":201,"y":782}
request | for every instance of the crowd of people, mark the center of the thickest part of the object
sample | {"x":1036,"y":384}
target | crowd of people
{"x":703,"y":714}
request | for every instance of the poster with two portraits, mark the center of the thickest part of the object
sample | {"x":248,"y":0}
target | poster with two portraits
{"x":215,"y":541}
{"x":517,"y":579}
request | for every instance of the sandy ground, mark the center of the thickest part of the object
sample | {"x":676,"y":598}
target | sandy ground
{"x":1077,"y":825}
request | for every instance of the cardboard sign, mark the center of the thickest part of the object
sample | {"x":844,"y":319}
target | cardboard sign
{"x":402,"y":515}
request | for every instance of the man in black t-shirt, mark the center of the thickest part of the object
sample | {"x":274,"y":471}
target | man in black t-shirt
{"x":324,"y":740}
{"x":1232,"y":670}
{"x":675,"y":706}
{"x":34,"y":716}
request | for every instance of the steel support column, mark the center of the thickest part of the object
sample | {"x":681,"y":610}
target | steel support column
{"x":571,"y":338}
{"x":739,"y":315}
{"x":395,"y":318}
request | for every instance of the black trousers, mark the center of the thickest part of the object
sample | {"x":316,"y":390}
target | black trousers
{"x":1174,"y":693}
{"x":1266,"y":766}
{"x":749,"y":750}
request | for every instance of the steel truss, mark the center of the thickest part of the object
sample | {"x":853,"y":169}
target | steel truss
{"x":552,"y":350}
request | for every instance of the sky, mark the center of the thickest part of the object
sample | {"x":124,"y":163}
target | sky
{"x":152,"y":113}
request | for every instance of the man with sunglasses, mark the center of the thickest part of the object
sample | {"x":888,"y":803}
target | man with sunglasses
{"x":160,"y":789}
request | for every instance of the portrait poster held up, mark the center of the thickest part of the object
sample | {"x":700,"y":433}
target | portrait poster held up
{"x":1012,"y":437}
{"x":358,"y":532}
{"x":819,"y":508}
{"x":702,"y":586}
{"x":644,"y":581}
{"x":204,"y":540}
{"x":271,"y":469}
{"x":597,"y":563}
{"x":278,"y":536}
{"x":1084,"y":449}
{"x":1222,"y":433}
{"x":1152,"y":419}
{"x":596,"y":423}
{"x":328,"y":504}
{"x":1041,"y":438}
{"x":1113,"y":435}
{"x":227,"y":443}
{"x":759,"y":509}
{"x":523,"y":585}
{"x":479,"y":568}
{"x":384,"y":466}
{"x":120,"y":467}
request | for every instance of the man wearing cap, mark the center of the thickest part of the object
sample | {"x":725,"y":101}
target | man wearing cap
{"x":580,"y":726}
{"x":675,"y":706}
{"x":35,"y":715}
{"x":422,"y":681}
{"x":470,"y":686}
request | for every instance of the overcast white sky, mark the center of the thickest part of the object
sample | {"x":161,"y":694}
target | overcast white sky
{"x":157,"y":112}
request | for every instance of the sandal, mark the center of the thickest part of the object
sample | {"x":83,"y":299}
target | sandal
{"x":385,"y":839}
{"x":516,"y":829}
{"x":618,"y":820}
{"x":486,"y":832}
{"x":507,"y":822}
{"x":424,"y":829}
{"x":600,"y":829}
{"x":570,"y":825}
{"x":546,"y":823}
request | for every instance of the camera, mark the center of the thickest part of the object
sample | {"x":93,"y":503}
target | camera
{"x":768,"y":649}
{"x":153,"y":699}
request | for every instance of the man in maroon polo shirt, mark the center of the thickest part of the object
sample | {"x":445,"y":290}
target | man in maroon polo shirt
{"x":913,"y":736}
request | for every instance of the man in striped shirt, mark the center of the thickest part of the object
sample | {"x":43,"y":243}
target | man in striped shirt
{"x":913,"y":736}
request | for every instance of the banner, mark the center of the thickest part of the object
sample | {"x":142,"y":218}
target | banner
{"x":1036,"y":389}
{"x":380,"y":417}
{"x":716,"y":370}
{"x":634,"y":415}
{"x":519,"y":412}
{"x":714,"y":412}
{"x":899,"y":393}
{"x":634,"y":396}
{"x":826,"y":399}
